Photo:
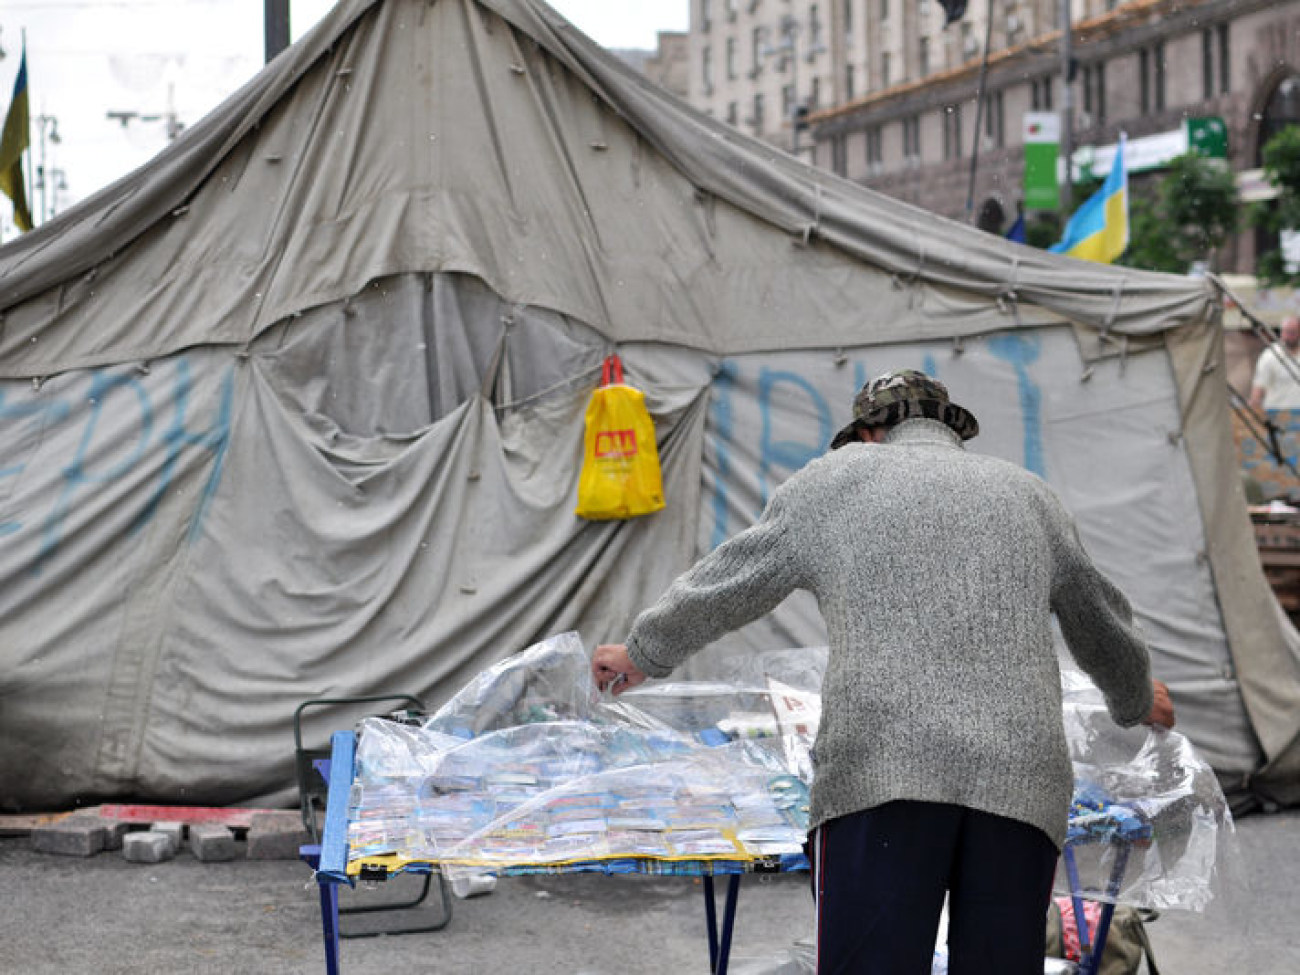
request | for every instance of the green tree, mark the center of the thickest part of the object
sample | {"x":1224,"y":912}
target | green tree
{"x":1149,"y":247}
{"x":1194,"y":210}
{"x":1282,"y":168}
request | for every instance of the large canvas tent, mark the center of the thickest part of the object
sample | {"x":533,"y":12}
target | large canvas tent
{"x":295,"y":410}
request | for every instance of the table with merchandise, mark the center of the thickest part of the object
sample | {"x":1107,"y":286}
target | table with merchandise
{"x":530,"y":770}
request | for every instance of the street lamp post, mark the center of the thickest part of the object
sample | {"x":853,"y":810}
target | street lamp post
{"x":788,"y":50}
{"x":48,"y":127}
{"x":1067,"y":108}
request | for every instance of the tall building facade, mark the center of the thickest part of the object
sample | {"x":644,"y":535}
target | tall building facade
{"x":753,"y":63}
{"x":891,"y":102}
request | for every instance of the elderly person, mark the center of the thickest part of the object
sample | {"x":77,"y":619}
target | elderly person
{"x":1277,"y":372}
{"x":941,"y":762}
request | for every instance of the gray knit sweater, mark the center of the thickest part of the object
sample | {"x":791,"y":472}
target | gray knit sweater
{"x":937,"y":572}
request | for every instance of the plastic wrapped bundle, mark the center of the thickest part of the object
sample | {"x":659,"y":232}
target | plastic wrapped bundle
{"x":1149,"y":825}
{"x":550,"y":681}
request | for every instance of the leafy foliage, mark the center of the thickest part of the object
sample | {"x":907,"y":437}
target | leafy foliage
{"x":1282,"y":168}
{"x":1191,"y":214}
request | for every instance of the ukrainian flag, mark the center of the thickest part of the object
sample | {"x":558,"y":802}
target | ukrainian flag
{"x":1098,"y":231}
{"x":14,"y":139}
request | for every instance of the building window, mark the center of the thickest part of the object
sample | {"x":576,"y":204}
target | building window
{"x":1099,"y":95}
{"x":1040,"y":95}
{"x":787,"y":101}
{"x":1160,"y":77}
{"x":706,"y":14}
{"x":923,"y":57}
{"x":758,"y":41}
{"x":815,"y":93}
{"x":884,"y":9}
{"x":952,"y":132}
{"x":1144,"y":80}
{"x":814,"y":31}
{"x":1094,"y":92}
{"x":1224,"y":77}
{"x":1207,"y":64}
{"x":884,"y":70}
{"x":848,"y":18}
{"x":706,"y":69}
{"x":731,"y":59}
{"x":848,"y":83}
{"x":839,"y":164}
{"x":875,"y":161}
{"x":733,"y":113}
{"x":757,"y":120}
{"x":732,"y":7}
{"x":912,"y":139}
{"x":995,"y":121}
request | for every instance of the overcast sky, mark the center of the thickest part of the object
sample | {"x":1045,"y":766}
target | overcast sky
{"x":155,"y":59}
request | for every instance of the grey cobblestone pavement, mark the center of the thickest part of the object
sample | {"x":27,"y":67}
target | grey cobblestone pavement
{"x":104,"y":915}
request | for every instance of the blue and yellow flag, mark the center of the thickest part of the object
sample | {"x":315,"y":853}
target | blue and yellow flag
{"x":1098,"y":231}
{"x":13,"y":142}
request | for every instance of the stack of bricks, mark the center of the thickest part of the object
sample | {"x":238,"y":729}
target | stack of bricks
{"x":211,"y":835}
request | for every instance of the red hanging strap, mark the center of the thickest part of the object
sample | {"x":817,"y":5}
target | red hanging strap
{"x":613,"y":371}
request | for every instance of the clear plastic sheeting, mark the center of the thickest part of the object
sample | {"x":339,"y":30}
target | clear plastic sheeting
{"x":529,"y":768}
{"x":1149,"y":824}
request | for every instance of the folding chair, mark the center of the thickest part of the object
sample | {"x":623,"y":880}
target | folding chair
{"x":312,"y":793}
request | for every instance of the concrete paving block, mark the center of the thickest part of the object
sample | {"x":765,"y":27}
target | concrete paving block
{"x":146,"y":846}
{"x":276,"y":836}
{"x":114,"y":832}
{"x":70,"y":837}
{"x":175,"y":833}
{"x":210,"y":843}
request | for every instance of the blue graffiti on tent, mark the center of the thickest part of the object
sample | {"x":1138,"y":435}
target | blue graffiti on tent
{"x":137,"y":411}
{"x":178,"y":436}
{"x":1021,"y":351}
{"x":788,"y":455}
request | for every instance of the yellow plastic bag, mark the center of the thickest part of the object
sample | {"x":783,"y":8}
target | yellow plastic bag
{"x":620,"y":461}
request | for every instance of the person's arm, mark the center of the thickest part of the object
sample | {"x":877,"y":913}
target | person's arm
{"x":1097,"y":623}
{"x":739,"y":581}
{"x":1257,"y":397}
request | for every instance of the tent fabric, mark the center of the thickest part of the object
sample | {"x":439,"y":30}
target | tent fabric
{"x":295,"y":410}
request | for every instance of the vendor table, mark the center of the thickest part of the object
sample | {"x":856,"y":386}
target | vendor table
{"x":329,"y":859}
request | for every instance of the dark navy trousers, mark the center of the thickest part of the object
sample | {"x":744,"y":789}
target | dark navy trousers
{"x":879,"y":878}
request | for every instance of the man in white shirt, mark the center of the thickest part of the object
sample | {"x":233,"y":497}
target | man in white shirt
{"x":1277,"y":372}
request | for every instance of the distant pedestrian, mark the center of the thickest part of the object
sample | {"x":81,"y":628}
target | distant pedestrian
{"x":1277,"y":371}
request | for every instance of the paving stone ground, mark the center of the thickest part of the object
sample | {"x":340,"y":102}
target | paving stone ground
{"x":61,"y":914}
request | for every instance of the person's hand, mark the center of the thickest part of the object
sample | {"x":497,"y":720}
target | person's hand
{"x":1162,"y":709}
{"x":612,"y":669}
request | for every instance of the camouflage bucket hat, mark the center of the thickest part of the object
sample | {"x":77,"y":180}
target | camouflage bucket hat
{"x":905,"y":394}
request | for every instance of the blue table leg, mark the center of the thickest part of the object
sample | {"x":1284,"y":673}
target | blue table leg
{"x":711,"y":922}
{"x":1091,"y":962}
{"x":329,"y":908}
{"x":329,"y":916}
{"x":329,"y":858}
{"x":1080,"y":918}
{"x":720,"y":949}
{"x":728,"y":922}
{"x":1108,"y":909}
